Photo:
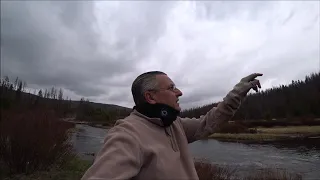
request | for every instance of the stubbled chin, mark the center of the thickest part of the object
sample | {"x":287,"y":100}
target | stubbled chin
{"x":178,"y":108}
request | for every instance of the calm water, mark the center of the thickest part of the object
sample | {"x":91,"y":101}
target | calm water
{"x":303,"y":158}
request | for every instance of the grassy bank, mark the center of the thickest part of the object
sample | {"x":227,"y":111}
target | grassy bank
{"x":304,"y":130}
{"x":72,"y":170}
{"x":208,"y":171}
{"x":271,"y":134}
{"x":75,"y":168}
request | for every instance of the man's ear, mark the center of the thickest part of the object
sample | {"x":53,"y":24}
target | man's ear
{"x":149,"y":97}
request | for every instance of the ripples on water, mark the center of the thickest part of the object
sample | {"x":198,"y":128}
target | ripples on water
{"x":303,"y":158}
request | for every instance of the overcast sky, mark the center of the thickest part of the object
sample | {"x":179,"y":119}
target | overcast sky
{"x":96,"y":49}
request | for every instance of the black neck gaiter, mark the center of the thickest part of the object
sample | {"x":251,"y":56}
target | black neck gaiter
{"x":166,"y":113}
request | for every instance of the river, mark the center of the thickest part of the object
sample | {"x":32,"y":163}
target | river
{"x":303,"y":158}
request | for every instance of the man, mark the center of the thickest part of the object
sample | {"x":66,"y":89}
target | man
{"x":152,"y":142}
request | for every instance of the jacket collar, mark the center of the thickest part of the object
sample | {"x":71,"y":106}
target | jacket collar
{"x":154,"y":112}
{"x":156,"y":121}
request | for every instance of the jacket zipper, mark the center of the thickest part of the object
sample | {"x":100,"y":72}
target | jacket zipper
{"x":165,"y":130}
{"x":172,"y":140}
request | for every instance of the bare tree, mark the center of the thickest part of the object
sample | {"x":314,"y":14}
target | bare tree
{"x":60,"y":96}
{"x":20,"y":86}
{"x":55,"y":93}
{"x":52,"y":93}
{"x":24,"y":86}
{"x":46,"y":93}
{"x":6,"y":82}
{"x":40,"y":93}
{"x":16,"y":83}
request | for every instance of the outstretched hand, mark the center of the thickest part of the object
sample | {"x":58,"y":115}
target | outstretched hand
{"x":247,"y":83}
{"x":251,"y":82}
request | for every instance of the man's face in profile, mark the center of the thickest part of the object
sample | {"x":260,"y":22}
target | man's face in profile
{"x":165,"y":93}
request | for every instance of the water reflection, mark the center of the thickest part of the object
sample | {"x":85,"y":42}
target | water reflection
{"x":253,"y":156}
{"x":87,"y":140}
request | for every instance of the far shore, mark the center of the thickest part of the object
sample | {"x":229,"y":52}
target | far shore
{"x":274,"y":134}
{"x":93,"y":124}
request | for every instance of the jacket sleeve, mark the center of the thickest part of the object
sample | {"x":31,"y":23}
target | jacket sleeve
{"x":119,"y":158}
{"x":197,"y":128}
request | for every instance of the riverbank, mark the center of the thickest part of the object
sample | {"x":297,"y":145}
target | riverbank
{"x":76,"y":168}
{"x":72,"y":170}
{"x":102,"y":125}
{"x":289,"y":133}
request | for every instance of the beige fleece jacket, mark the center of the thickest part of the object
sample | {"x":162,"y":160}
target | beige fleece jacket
{"x":138,"y":148}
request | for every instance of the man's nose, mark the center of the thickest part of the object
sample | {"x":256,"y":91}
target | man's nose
{"x":178,"y":92}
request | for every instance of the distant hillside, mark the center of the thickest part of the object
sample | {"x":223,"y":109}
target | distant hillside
{"x":14,"y":96}
{"x":300,"y":99}
{"x":75,"y":103}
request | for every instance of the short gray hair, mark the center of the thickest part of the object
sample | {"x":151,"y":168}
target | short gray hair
{"x":144,"y":82}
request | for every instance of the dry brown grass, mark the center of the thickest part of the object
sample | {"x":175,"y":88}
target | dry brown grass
{"x":254,"y":137}
{"x":271,"y":134}
{"x":208,"y":171}
{"x":272,"y":174}
{"x":291,"y":130}
{"x":32,"y":139}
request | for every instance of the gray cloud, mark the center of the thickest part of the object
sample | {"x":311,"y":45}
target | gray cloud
{"x":56,"y":44}
{"x":52,"y":44}
{"x":95,"y":49}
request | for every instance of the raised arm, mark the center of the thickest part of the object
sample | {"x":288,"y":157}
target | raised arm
{"x":119,"y":158}
{"x":206,"y":125}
